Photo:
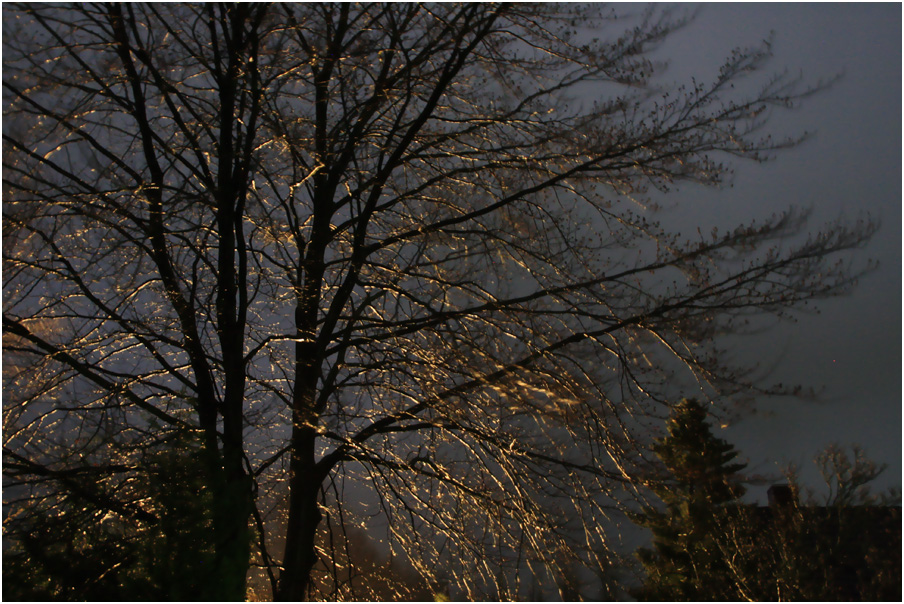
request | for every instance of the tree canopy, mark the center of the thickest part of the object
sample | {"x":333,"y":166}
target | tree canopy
{"x":381,"y":264}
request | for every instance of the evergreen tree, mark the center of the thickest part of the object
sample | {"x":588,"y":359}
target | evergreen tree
{"x":685,"y":562}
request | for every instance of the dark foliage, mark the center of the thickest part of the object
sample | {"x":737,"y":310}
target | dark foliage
{"x":685,"y":562}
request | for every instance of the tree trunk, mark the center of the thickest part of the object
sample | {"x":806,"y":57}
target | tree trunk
{"x":305,"y":477}
{"x":228,"y":535}
{"x":304,"y":518}
{"x":233,"y":543}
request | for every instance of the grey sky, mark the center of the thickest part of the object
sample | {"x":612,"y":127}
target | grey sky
{"x":852,"y":166}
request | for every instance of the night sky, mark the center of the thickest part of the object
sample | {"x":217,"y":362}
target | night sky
{"x":851,"y":352}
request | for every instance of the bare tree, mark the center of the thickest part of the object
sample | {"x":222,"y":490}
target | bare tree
{"x":379,"y":252}
{"x":843,"y":545}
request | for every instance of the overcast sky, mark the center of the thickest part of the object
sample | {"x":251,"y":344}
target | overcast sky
{"x":852,"y":166}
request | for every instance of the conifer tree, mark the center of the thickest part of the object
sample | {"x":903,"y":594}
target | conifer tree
{"x":685,"y":562}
